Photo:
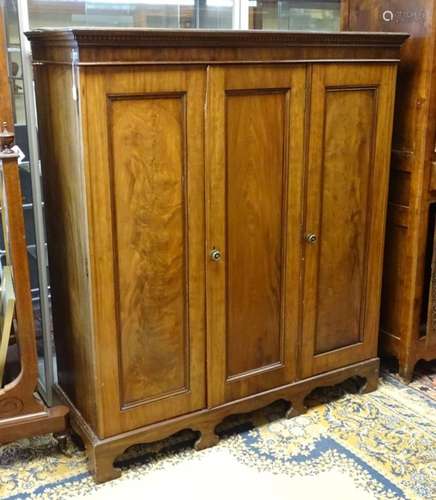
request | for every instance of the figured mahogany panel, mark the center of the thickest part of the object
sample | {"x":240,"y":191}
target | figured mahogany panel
{"x":256,"y":171}
{"x":149,"y":198}
{"x":349,"y":152}
{"x":345,"y":204}
{"x":145,"y":180}
{"x":254,"y":164}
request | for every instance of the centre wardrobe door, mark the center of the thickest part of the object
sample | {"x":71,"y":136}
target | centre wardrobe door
{"x":254,"y":169}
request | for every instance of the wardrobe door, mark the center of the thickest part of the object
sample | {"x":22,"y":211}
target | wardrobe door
{"x":349,"y":152}
{"x":146,"y":179}
{"x":254,"y":160}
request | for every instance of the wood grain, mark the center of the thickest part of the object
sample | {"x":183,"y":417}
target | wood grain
{"x":213,"y":142}
{"x":68,"y":251}
{"x":255,"y":127}
{"x":147,"y":264}
{"x":405,"y":278}
{"x":256,"y":175}
{"x":103,"y":452}
{"x":345,"y":205}
{"x":16,"y":398}
{"x":351,"y":123}
{"x":139,"y":46}
{"x":148,"y":151}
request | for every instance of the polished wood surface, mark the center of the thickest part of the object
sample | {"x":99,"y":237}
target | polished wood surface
{"x":64,"y":197}
{"x":22,"y":413}
{"x":407,"y":269}
{"x":346,"y":204}
{"x":255,"y":188}
{"x":150,"y":215}
{"x":53,"y":420}
{"x":255,"y":148}
{"x":191,"y":188}
{"x":147,"y":260}
{"x":129,"y":47}
{"x":102,"y":453}
{"x":17,"y":397}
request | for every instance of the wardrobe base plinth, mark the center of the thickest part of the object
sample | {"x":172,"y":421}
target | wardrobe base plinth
{"x":102,"y":453}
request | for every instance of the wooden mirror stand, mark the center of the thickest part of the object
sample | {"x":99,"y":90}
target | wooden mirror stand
{"x":22,"y":412}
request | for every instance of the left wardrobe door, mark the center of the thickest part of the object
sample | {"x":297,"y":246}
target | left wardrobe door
{"x":145,"y":179}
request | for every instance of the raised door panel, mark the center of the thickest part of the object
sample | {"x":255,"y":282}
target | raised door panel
{"x":350,"y":134}
{"x":147,"y":192}
{"x":150,"y":216}
{"x":254,"y":151}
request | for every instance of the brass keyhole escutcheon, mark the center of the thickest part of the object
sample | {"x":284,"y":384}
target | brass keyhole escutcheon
{"x":311,"y":238}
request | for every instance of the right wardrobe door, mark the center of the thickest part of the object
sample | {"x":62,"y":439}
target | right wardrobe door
{"x":347,"y":181}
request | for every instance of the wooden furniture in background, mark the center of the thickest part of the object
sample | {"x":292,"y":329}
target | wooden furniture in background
{"x":431,"y":313}
{"x":412,"y":195}
{"x":22,"y":413}
{"x":231,"y":179}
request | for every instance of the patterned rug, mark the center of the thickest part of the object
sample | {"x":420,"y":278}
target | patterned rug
{"x":377,"y":446}
{"x":424,"y":378}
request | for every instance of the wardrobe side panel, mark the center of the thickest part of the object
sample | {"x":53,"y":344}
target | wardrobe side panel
{"x":66,"y":222}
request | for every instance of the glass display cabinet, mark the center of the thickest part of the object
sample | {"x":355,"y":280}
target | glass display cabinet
{"x":308,"y":15}
{"x":321,"y":15}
